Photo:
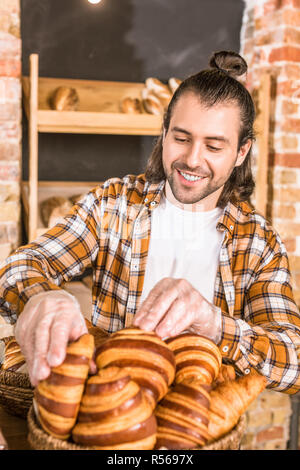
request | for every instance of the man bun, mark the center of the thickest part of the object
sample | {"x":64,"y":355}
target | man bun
{"x":229,"y":62}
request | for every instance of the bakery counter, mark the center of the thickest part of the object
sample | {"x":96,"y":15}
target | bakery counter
{"x":14,"y":431}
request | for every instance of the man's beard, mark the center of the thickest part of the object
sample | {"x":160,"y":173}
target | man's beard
{"x":192,"y":195}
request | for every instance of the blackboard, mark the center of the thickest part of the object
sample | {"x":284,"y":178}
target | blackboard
{"x":123,"y":40}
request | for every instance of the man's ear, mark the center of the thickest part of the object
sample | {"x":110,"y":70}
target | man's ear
{"x":243,"y":152}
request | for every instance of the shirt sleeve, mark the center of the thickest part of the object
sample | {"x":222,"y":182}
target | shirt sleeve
{"x":267,"y":338}
{"x":62,"y":253}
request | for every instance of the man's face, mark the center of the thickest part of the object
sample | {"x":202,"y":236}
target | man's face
{"x":200,"y":150}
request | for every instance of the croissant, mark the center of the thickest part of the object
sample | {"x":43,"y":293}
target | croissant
{"x":229,"y":400}
{"x":115,"y":414}
{"x":147,"y":359}
{"x":57,"y":398}
{"x":13,"y":358}
{"x":227,"y":373}
{"x":197,"y":358}
{"x":182,"y":416}
{"x":64,"y":99}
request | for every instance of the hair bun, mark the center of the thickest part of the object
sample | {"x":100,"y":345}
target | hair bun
{"x":229,"y":62}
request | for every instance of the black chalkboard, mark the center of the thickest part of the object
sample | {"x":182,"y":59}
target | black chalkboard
{"x":123,"y":40}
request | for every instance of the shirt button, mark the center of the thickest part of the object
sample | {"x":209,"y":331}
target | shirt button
{"x":247,"y":371}
{"x":231,"y":227}
{"x":225,"y":349}
{"x":152,"y":203}
{"x":146,"y":199}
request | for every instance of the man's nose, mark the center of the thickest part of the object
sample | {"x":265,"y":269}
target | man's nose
{"x":195,"y":155}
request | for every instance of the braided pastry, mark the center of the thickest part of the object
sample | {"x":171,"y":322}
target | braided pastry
{"x":13,"y":358}
{"x":197,"y":357}
{"x":115,"y":414}
{"x":57,"y":398}
{"x":182,"y":416}
{"x":147,"y":359}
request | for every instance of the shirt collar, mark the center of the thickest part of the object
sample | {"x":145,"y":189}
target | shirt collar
{"x":231,"y":214}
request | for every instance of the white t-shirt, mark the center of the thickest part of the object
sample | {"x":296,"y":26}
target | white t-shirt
{"x":183,"y":244}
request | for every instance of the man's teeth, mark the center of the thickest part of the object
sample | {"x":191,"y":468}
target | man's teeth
{"x":190,"y":177}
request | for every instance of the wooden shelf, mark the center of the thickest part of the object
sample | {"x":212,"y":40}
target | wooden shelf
{"x":47,"y":189}
{"x":98,"y":111}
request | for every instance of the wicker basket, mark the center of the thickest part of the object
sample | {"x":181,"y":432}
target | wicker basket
{"x":40,"y":440}
{"x":16,"y":393}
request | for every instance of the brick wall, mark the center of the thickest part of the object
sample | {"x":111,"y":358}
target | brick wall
{"x":10,"y":132}
{"x":10,"y":126}
{"x":270,"y":41}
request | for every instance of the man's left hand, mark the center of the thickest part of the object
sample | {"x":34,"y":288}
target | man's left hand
{"x":174,"y":306}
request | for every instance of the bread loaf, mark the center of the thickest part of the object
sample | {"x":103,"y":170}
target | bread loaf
{"x":151,"y":103}
{"x":174,"y":83}
{"x":131,"y":105}
{"x":115,"y":414}
{"x":197,"y":358}
{"x":226,"y":374}
{"x":13,"y":359}
{"x":143,"y":355}
{"x":229,"y":400}
{"x":182,"y":416}
{"x":64,"y":99}
{"x":160,"y":90}
{"x":57,"y":398}
{"x":53,"y":209}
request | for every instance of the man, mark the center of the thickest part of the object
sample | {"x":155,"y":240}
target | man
{"x":177,"y":249}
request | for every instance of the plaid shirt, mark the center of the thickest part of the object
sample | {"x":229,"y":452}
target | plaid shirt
{"x":109,"y":230}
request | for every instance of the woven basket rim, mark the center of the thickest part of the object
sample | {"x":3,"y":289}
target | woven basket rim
{"x":15,"y":379}
{"x":36,"y":433}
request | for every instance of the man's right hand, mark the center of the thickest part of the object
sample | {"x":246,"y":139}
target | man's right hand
{"x":48,"y":322}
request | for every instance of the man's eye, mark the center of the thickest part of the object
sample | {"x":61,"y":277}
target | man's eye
{"x":178,"y":139}
{"x":214,"y":149}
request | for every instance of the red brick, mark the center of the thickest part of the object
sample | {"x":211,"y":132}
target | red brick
{"x":290,"y":160}
{"x":9,"y":172}
{"x":290,"y":244}
{"x":275,"y":432}
{"x":271,"y":6}
{"x":290,"y":125}
{"x":10,"y":111}
{"x":10,"y":89}
{"x":10,"y":68}
{"x":9,"y":151}
{"x":289,"y":107}
{"x":292,"y":3}
{"x":285,"y":53}
{"x":10,"y":46}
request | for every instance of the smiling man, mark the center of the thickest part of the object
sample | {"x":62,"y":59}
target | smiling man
{"x":179,"y":248}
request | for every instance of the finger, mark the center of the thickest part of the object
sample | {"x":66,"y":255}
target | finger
{"x":59,"y":338}
{"x":93,"y":367}
{"x":154,"y":293}
{"x":158,"y":310}
{"x":41,"y":369}
{"x":177,"y":319}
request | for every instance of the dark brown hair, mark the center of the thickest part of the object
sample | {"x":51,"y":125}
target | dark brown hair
{"x":213,"y":86}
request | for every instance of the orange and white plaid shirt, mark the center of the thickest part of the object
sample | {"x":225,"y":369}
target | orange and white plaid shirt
{"x":109,"y":231}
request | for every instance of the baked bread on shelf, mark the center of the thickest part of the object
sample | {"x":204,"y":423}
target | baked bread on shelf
{"x":57,"y":398}
{"x":115,"y":414}
{"x":131,"y":105}
{"x":183,"y":415}
{"x":13,"y":359}
{"x":64,"y":99}
{"x":53,"y":209}
{"x":197,"y":358}
{"x":143,"y":355}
